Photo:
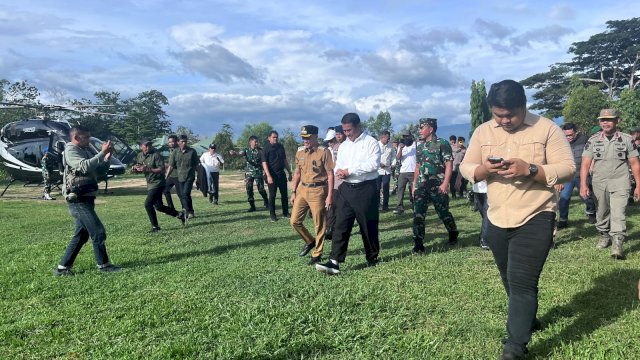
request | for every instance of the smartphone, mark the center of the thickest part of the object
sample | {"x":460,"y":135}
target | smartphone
{"x":495,"y":160}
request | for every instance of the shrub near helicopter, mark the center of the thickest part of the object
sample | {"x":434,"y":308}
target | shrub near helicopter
{"x":23,"y":142}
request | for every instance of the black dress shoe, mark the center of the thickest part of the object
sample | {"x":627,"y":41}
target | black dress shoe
{"x":372,"y":262}
{"x":418,"y":249}
{"x":315,"y":260}
{"x":154,"y":230}
{"x":306,"y":248}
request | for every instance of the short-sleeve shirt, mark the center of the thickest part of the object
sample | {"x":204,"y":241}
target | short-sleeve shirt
{"x":431,"y":157}
{"x":185,"y":163}
{"x":611,"y":157}
{"x":152,"y":160}
{"x":275,"y":157}
{"x":314,"y":165}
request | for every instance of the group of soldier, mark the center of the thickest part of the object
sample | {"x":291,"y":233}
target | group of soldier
{"x":520,"y":165}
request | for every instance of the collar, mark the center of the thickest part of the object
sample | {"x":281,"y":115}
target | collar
{"x":617,"y":136}
{"x":364,"y":133}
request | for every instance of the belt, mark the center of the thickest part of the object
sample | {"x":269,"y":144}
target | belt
{"x":317,"y":184}
{"x":362,"y":183}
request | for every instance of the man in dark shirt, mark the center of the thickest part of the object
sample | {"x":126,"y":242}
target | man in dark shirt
{"x":171,"y":181}
{"x":274,"y":164}
{"x":577,"y":142}
{"x":184,"y":160}
{"x":150,"y":163}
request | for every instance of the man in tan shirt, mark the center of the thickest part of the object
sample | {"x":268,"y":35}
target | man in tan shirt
{"x":312,"y":190}
{"x":522,"y":156}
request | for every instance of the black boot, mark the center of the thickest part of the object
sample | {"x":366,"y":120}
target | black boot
{"x":453,"y":237}
{"x":252,"y":206}
{"x":328,"y":235}
{"x":418,"y":248}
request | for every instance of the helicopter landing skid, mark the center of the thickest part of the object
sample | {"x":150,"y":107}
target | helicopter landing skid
{"x":11,"y":181}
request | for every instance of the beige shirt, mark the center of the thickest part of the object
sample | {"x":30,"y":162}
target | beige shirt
{"x":611,"y":157}
{"x":539,"y":141}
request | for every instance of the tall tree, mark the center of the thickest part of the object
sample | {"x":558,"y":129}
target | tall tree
{"x":145,"y":116}
{"x":479,"y":108}
{"x":382,"y":122}
{"x":191,"y":136}
{"x":20,"y":92}
{"x":610,"y":59}
{"x":583,"y":105}
{"x":629,"y":106}
{"x":290,"y":146}
{"x":224,"y":142}
{"x":261,"y":130}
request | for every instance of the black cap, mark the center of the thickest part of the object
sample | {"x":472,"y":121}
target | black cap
{"x":212,"y":146}
{"x":308,"y":130}
{"x":145,"y":141}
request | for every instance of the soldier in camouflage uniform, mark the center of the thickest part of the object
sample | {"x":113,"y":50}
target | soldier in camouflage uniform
{"x":253,"y":172}
{"x":48,"y":163}
{"x":434,"y":160}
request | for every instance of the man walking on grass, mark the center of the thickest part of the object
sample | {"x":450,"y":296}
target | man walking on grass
{"x":312,"y":189}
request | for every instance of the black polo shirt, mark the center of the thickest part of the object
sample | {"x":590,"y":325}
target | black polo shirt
{"x":275,"y":157}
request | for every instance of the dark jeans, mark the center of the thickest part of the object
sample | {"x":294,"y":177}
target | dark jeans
{"x":279,"y":182}
{"x":184,"y":191}
{"x":480,"y":201}
{"x":565,"y":198}
{"x":214,"y":185}
{"x":356,"y":202}
{"x":153,"y":202}
{"x":171,"y":182}
{"x":383,"y":184}
{"x":87,"y":225}
{"x":520,"y":254}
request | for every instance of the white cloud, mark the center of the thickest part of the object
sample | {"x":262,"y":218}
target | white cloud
{"x":195,"y":36}
{"x":562,"y":12}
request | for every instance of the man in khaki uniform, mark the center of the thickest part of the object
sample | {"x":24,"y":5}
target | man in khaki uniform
{"x":312,"y":190}
{"x":612,"y":153}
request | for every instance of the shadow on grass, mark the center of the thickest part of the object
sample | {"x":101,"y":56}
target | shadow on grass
{"x":216,"y":250}
{"x":611,"y":296}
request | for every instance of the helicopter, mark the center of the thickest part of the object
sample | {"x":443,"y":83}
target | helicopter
{"x":24,"y":142}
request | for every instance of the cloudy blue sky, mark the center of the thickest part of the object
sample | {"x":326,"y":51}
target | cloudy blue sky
{"x":291,"y":62}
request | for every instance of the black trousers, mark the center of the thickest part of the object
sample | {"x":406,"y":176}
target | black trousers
{"x":520,"y":254}
{"x":356,"y":202}
{"x":279,"y":182}
{"x":153,"y":202}
{"x":214,"y":185}
{"x":383,"y":184}
{"x":184,"y":191}
{"x":331,"y":213}
{"x":170,"y":182}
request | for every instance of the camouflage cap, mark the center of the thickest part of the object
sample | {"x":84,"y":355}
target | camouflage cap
{"x":608,"y":114}
{"x":429,"y":121}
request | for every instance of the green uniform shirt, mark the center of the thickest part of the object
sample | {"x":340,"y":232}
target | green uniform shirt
{"x":611,"y":157}
{"x":152,"y":160}
{"x":431,"y":157}
{"x":254,"y":163}
{"x":185,"y":163}
{"x":174,"y":174}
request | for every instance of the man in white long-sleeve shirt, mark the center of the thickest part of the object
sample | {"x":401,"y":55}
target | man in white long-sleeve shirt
{"x":212,"y":161}
{"x":387,"y":153}
{"x":357,"y":164}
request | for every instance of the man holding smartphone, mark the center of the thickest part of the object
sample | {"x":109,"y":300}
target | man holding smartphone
{"x":522,"y":201}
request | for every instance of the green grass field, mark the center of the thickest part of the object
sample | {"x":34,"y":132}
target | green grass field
{"x":231,"y":286}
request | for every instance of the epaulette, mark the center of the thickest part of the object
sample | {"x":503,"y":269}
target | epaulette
{"x":300,"y":148}
{"x":321,"y":147}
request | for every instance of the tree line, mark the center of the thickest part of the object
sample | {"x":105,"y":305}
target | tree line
{"x":604,"y":72}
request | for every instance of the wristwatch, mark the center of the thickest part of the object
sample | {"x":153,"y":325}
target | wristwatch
{"x":533,"y":170}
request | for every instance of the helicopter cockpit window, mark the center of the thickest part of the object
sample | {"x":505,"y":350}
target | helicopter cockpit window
{"x":30,"y":152}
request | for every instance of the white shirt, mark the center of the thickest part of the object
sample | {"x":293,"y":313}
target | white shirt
{"x":408,"y":158}
{"x":211,"y":162}
{"x":361,"y":157}
{"x":387,"y":153}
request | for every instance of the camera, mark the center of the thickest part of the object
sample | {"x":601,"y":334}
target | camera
{"x":80,"y":188}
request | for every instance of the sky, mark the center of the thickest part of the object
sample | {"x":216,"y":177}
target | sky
{"x":291,"y":63}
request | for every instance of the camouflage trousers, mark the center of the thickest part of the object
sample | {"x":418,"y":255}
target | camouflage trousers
{"x":46,"y":180}
{"x":248,"y":182}
{"x":429,"y":193}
